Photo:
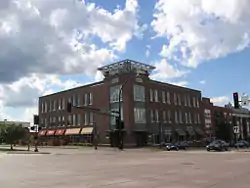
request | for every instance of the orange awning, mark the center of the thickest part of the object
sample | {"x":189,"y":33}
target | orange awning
{"x":60,"y":132}
{"x":73,"y":131}
{"x":50,"y":132}
{"x":42,"y":133}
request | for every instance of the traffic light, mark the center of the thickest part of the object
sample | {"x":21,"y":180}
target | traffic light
{"x":69,"y":107}
{"x":36,"y":119}
{"x":236,"y":100}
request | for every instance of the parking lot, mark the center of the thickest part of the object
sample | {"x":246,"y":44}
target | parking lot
{"x":88,"y":168}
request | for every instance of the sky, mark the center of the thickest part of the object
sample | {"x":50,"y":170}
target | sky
{"x":53,"y":45}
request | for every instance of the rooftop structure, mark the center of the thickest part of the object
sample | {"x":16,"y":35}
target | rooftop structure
{"x":126,"y":66}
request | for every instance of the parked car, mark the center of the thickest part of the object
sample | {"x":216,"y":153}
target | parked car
{"x":242,"y":144}
{"x":182,"y":145}
{"x":171,"y":146}
{"x":218,"y":145}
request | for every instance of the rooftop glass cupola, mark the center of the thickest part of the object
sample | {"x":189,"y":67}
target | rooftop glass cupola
{"x":125,"y":67}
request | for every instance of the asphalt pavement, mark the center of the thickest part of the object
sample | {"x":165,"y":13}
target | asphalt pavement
{"x":88,"y":168}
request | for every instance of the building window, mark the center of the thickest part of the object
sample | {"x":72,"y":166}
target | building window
{"x":175,"y":99}
{"x":78,"y":100}
{"x":74,"y":100}
{"x":79,"y":119}
{"x":197,"y":102}
{"x":169,"y":116}
{"x":151,"y":95}
{"x":186,"y":118}
{"x":168,"y":98}
{"x":91,"y":118}
{"x":69,"y":119}
{"x":156,"y":96}
{"x":185,"y":100}
{"x":156,"y":115}
{"x":176,"y":116}
{"x":74,"y":119}
{"x":180,"y":117}
{"x":114,"y":94}
{"x":140,"y":115}
{"x":59,"y":118}
{"x":198,"y":118}
{"x":46,"y":107}
{"x":42,"y":107}
{"x":86,"y":99}
{"x":194,"y":102}
{"x":90,"y":99}
{"x":189,"y":101}
{"x":195,"y":118}
{"x":190,"y":118}
{"x":164,"y":117}
{"x":179,"y":99}
{"x":59,"y":104}
{"x":54,"y":106}
{"x":113,"y":117}
{"x":163,"y":94}
{"x":152,"y":115}
{"x":139,"y":93}
{"x":86,"y":118}
{"x":63,"y":104}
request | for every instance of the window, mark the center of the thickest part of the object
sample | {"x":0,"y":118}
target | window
{"x":91,"y":118}
{"x":46,"y":107}
{"x":63,"y":119}
{"x":180,"y":117}
{"x":175,"y":99}
{"x":114,"y":94}
{"x":79,"y":119}
{"x":179,"y":99}
{"x":113,"y":117}
{"x":54,"y":106}
{"x":163,"y":96}
{"x":156,"y":96}
{"x":63,"y":104}
{"x":176,"y":116}
{"x":90,"y":99}
{"x":168,"y":98}
{"x":140,"y":115}
{"x":85,"y":99}
{"x":139,"y":93}
{"x":185,"y":100}
{"x":86,"y":118}
{"x":195,"y":118}
{"x":198,"y":118}
{"x":59,"y":104}
{"x":74,"y":100}
{"x":186,"y":118}
{"x":156,"y":115}
{"x":152,"y":115}
{"x":69,"y":119}
{"x":169,"y":116}
{"x":164,"y":116}
{"x":78,"y":100}
{"x":190,"y":118}
{"x":59,"y":118}
{"x":74,"y":119}
{"x":189,"y":101}
{"x":42,"y":108}
{"x":197,"y":102}
{"x":45,"y":122}
{"x":151,"y":95}
{"x":194,"y":102}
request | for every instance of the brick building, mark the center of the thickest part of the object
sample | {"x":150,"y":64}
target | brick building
{"x":150,"y":109}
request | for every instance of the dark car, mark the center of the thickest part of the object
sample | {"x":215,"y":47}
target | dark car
{"x":182,"y":145}
{"x":171,"y":147}
{"x":242,"y":144}
{"x":218,"y":145}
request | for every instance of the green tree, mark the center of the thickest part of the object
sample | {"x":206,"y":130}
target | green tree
{"x":12,"y":133}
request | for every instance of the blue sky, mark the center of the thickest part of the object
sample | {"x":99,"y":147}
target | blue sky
{"x":199,"y":44}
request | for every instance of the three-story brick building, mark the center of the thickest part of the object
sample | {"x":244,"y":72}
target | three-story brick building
{"x":149,"y":108}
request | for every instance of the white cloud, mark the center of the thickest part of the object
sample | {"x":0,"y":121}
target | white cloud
{"x":181,"y":83}
{"x":201,"y":30}
{"x":46,"y":39}
{"x":148,"y":48}
{"x":221,"y":100}
{"x":203,"y":82}
{"x":165,"y":71}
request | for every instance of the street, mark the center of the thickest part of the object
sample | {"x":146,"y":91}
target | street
{"x":87,"y":168}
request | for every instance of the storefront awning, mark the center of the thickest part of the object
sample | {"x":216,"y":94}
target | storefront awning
{"x":42,"y":133}
{"x":199,"y":131}
{"x":180,"y":132}
{"x":60,"y":132}
{"x":50,"y":132}
{"x":87,"y":130}
{"x":72,"y":131}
